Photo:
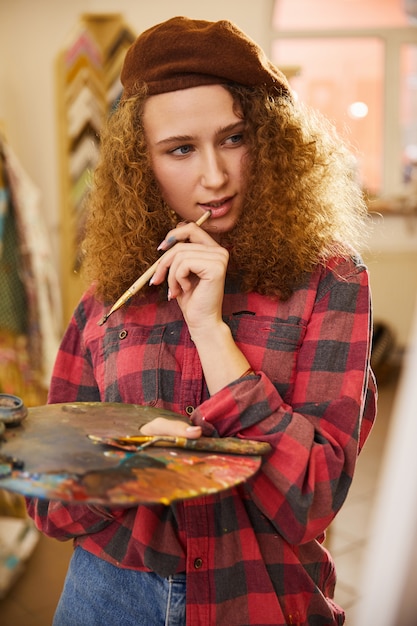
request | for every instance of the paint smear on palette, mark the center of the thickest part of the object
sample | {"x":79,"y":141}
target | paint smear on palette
{"x":60,"y":462}
{"x":159,"y":476}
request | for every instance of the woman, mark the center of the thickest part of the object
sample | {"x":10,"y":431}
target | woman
{"x":256,"y":324}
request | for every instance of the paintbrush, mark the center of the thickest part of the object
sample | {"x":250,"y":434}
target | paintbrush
{"x":146,"y":276}
{"x":225,"y":445}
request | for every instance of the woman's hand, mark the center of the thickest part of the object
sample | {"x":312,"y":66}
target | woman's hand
{"x":172,"y":428}
{"x":195,"y":269}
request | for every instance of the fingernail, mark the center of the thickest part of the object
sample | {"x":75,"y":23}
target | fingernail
{"x":193,"y":429}
{"x":166,"y":244}
{"x":152,"y":279}
{"x":169,"y":295}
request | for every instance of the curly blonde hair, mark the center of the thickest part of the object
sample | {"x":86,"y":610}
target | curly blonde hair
{"x":303,"y":203}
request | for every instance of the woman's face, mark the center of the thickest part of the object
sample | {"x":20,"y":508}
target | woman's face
{"x":197,"y":148}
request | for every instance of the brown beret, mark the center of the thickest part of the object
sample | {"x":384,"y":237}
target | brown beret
{"x":182,"y":53}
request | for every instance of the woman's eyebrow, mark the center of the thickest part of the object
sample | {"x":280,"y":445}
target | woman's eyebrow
{"x":187,"y":138}
{"x":231,"y":128}
{"x":175,"y":139}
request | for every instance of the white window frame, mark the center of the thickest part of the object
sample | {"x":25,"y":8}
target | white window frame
{"x":393,"y":39}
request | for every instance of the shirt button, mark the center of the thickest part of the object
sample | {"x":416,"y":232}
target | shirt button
{"x":198,"y":563}
{"x":123,"y":334}
{"x":189,"y":409}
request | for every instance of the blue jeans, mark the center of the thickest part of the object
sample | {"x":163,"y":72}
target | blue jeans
{"x":97,"y":593}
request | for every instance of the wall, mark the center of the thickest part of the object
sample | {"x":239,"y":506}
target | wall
{"x":392,"y":262}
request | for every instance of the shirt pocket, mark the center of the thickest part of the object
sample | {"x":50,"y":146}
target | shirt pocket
{"x":270,"y":345}
{"x":131,"y":359}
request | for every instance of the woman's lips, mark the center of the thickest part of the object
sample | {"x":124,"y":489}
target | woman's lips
{"x":219,"y":208}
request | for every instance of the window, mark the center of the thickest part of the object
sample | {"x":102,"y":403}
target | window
{"x":356,"y":61}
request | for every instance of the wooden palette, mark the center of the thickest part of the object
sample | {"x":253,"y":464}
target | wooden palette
{"x":72,"y":452}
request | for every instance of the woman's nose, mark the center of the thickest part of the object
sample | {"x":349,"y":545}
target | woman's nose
{"x":214,"y":171}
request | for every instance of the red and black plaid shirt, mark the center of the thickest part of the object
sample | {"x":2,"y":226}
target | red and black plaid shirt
{"x":253,"y":554}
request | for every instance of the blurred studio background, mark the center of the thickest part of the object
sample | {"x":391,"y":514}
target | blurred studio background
{"x":356,"y":61}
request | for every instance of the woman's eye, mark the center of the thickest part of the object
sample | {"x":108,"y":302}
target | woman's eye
{"x":181,"y":150}
{"x":235,"y":139}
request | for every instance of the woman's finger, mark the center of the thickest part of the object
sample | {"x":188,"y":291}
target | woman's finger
{"x":172,"y":428}
{"x":195,"y":258}
{"x":186,"y":232}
